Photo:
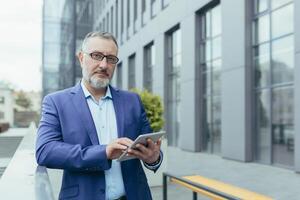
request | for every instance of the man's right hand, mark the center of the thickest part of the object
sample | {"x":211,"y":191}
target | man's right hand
{"x":117,"y":147}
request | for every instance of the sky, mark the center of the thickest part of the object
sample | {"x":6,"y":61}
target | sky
{"x":20,"y":43}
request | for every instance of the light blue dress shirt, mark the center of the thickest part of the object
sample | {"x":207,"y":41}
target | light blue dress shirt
{"x":103,"y":114}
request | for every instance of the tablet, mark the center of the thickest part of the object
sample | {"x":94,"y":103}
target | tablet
{"x":142,"y":139}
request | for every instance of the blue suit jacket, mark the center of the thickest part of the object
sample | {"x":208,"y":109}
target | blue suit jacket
{"x":67,"y":140}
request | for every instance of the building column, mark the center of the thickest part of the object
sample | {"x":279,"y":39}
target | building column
{"x":188,"y":137}
{"x":235,"y":80}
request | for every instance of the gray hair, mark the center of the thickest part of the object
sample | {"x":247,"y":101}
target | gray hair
{"x":99,"y":34}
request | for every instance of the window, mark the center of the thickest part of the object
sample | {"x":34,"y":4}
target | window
{"x":143,"y":12}
{"x":128,"y":14}
{"x":165,"y":3}
{"x":149,"y":62}
{"x":173,"y":97}
{"x":1,"y":115}
{"x":128,"y":18}
{"x":122,"y":20}
{"x":273,"y":66}
{"x":131,"y":71}
{"x":154,"y":8}
{"x":103,"y":24}
{"x":117,"y":19}
{"x":107,"y":22}
{"x":2,"y":100}
{"x":112,"y":20}
{"x":135,"y":16}
{"x":119,"y":76}
{"x":210,"y":72}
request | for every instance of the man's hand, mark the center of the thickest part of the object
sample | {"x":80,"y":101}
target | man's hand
{"x":149,"y":153}
{"x":117,"y":147}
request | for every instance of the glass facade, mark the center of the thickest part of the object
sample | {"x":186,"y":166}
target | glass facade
{"x":273,"y":58}
{"x":65,"y":23}
{"x":51,"y":44}
{"x":173,"y":40}
{"x":210,"y":69}
{"x":149,"y":63}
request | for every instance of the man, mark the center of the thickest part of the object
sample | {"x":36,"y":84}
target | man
{"x":84,"y":128}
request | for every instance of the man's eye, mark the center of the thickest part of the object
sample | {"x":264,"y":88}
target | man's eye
{"x":97,"y":56}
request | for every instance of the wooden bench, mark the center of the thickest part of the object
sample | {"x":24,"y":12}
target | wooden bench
{"x":211,"y":188}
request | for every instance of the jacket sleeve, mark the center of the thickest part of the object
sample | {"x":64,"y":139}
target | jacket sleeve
{"x":53,"y":152}
{"x":146,"y":128}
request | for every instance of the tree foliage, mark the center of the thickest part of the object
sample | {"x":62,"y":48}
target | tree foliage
{"x":153,"y":107}
{"x":23,"y":101}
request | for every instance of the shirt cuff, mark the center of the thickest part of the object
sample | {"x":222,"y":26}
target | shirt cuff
{"x":156,"y":165}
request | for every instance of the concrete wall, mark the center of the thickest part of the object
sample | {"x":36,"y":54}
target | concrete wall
{"x":233,"y":80}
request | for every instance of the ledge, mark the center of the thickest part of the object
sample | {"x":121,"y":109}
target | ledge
{"x":23,"y":178}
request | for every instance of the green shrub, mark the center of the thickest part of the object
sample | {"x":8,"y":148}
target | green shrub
{"x":153,"y":107}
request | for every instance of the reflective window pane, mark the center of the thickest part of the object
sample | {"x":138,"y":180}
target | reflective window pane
{"x":283,"y":126}
{"x":216,"y":75}
{"x":216,"y":48}
{"x":261,"y":5}
{"x":282,"y":21}
{"x":262,"y":121}
{"x":208,"y":24}
{"x":208,"y":50}
{"x":216,"y":20}
{"x":207,"y":82}
{"x":216,"y":128}
{"x":262,"y":65}
{"x":262,"y":29}
{"x":51,"y":53}
{"x":207,"y":123}
{"x":283,"y":60}
{"x":278,"y":3}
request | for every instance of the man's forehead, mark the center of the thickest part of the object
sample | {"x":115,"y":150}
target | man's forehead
{"x":100,"y":44}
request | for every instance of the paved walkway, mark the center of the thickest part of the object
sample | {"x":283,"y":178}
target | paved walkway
{"x":272,"y":181}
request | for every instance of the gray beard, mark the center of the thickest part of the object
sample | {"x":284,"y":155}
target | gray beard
{"x":96,"y":83}
{"x":99,"y":83}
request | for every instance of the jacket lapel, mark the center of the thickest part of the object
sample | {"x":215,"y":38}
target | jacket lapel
{"x":119,"y":110}
{"x":83,"y":110}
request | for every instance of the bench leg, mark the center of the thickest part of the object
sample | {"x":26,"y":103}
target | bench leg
{"x":165,"y":187}
{"x":194,"y":195}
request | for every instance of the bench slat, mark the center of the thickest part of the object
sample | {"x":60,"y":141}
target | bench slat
{"x":219,"y":186}
{"x":195,"y":189}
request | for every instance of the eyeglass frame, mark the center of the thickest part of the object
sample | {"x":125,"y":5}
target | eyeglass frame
{"x":104,"y":56}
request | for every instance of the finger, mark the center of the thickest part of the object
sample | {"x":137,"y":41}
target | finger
{"x":119,"y":146}
{"x":125,"y":141}
{"x":159,"y":142}
{"x":136,"y":153}
{"x":142,"y":148}
{"x":150,"y":143}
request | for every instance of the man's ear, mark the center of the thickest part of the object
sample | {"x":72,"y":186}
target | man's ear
{"x":80,"y":57}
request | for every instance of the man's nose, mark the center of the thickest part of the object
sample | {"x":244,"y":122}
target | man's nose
{"x":103,"y":63}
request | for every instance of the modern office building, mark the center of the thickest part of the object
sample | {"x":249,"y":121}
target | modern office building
{"x":65,"y":23}
{"x":227,"y":71}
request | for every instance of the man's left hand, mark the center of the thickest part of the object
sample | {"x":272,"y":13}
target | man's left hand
{"x":149,"y":153}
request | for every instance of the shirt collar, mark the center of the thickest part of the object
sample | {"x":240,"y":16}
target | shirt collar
{"x":87,"y":94}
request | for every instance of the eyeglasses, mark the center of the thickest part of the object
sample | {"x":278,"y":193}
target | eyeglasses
{"x":100,"y":56}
